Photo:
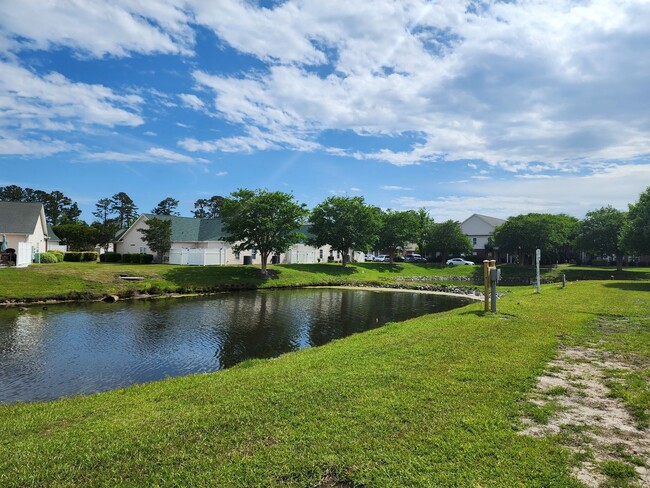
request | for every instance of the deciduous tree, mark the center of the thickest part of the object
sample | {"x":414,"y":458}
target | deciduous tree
{"x":600,"y":233}
{"x":261,"y":220}
{"x":448,"y":238}
{"x":397,"y":230}
{"x":345,"y":223}
{"x":635,"y":237}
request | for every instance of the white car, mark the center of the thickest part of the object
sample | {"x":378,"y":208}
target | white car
{"x":459,"y":262}
{"x":382,"y":258}
{"x":369,"y":258}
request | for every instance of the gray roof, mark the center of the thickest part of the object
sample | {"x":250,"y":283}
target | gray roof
{"x":51,"y":235}
{"x":19,"y":217}
{"x":190,"y":229}
{"x":493,"y":221}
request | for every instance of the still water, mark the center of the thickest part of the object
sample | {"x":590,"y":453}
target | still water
{"x":85,"y":348}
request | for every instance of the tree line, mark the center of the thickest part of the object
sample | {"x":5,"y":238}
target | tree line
{"x":270,"y":222}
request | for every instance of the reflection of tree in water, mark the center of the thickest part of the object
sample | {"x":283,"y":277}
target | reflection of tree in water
{"x":259,"y":328}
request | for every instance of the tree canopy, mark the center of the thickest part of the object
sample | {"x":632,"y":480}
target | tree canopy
{"x":522,"y":234}
{"x":59,"y":209}
{"x":635,"y":237}
{"x":345,"y":223}
{"x":600,"y":233}
{"x":208,"y":208}
{"x":125,"y":208}
{"x":397,"y":230}
{"x":261,"y":220}
{"x":447,"y":238}
{"x":158,"y":236}
{"x":166,"y":207}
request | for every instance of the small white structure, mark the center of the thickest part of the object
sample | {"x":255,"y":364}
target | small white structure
{"x":479,"y":228}
{"x":24,"y":226}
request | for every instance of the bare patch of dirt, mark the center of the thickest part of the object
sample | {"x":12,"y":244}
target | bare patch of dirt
{"x":595,"y":426}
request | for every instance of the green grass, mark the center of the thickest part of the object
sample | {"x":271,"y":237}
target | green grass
{"x":74,"y":281}
{"x":433,"y":401}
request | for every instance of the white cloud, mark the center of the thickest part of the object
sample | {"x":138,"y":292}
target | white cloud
{"x":575,"y":195}
{"x":29,"y":147}
{"x":52,"y":102}
{"x":395,"y":188}
{"x":550,"y":84}
{"x":221,"y":173}
{"x":151,"y":155}
{"x":98,"y":28}
{"x":191,"y":101}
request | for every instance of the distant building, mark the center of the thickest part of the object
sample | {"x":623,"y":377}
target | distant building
{"x":479,"y":228}
{"x":202,"y":242}
{"x":24,"y":228}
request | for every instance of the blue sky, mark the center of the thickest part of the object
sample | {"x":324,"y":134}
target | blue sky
{"x":498,"y":108}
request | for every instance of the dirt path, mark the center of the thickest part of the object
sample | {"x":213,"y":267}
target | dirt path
{"x":573,"y":403}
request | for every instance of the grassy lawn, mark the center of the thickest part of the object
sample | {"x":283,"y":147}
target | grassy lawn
{"x":434,"y":401}
{"x":93,"y":280}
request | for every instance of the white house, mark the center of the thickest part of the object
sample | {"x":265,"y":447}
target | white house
{"x":479,"y":228}
{"x":201,"y":242}
{"x":24,"y":227}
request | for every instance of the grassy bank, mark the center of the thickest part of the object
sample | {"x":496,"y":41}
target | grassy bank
{"x":433,"y":401}
{"x":64,"y":281}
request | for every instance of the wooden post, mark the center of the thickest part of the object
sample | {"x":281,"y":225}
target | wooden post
{"x":486,"y":281}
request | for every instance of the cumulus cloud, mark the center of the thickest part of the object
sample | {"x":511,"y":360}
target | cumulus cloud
{"x":53,"y":102}
{"x":514,"y":84}
{"x":98,"y":28}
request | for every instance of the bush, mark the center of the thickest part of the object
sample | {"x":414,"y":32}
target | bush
{"x":73,"y":257}
{"x":59,"y":255}
{"x":146,"y":258}
{"x":90,"y":256}
{"x":126,"y":258}
{"x":110,"y":257}
{"x":49,"y":258}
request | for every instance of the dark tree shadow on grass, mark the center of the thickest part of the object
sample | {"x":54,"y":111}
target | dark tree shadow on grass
{"x":630,"y":286}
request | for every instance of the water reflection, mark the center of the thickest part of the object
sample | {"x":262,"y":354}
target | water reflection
{"x":73,"y":349}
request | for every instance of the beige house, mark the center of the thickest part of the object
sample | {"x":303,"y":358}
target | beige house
{"x":479,"y":228}
{"x":201,"y":242}
{"x":24,"y":227}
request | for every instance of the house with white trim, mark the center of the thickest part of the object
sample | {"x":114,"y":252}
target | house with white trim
{"x":201,"y":242}
{"x":24,"y":226}
{"x":479,"y":228}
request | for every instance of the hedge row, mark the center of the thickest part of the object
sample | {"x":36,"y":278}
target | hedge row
{"x":116,"y":257}
{"x":77,"y":257}
{"x":51,"y":257}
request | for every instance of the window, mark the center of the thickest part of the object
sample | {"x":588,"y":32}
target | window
{"x":474,"y":240}
{"x":237,"y":255}
{"x":321,"y":254}
{"x":143,"y":250}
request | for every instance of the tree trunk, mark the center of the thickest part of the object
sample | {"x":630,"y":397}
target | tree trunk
{"x":264,"y":257}
{"x":619,"y":262}
{"x":344,"y":259}
{"x":391,"y":257}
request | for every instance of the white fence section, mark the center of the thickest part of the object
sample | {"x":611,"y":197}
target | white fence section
{"x":198,"y":257}
{"x":302,"y":257}
{"x":56,"y":247}
{"x":24,"y":254}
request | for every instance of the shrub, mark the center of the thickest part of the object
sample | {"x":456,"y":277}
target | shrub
{"x":74,"y":257}
{"x":111,"y":257}
{"x":49,"y":258}
{"x":59,"y":255}
{"x":90,"y":256}
{"x":126,"y":258}
{"x":146,"y":258}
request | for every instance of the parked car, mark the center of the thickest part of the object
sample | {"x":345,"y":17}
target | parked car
{"x":414,"y":258}
{"x":369,"y":257}
{"x":459,"y":262}
{"x":382,"y":258}
{"x":398,"y":259}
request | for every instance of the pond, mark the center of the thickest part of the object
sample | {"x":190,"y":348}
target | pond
{"x":85,"y":348}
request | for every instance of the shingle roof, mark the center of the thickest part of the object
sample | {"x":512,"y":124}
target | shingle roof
{"x":190,"y":229}
{"x":51,"y":235}
{"x":493,"y":221}
{"x":19,"y":217}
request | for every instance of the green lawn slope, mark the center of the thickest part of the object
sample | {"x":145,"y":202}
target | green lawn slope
{"x":434,"y":401}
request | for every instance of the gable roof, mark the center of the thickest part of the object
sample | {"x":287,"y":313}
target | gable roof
{"x":51,"y":235}
{"x":191,"y":229}
{"x":20,"y":217}
{"x":492,"y":221}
